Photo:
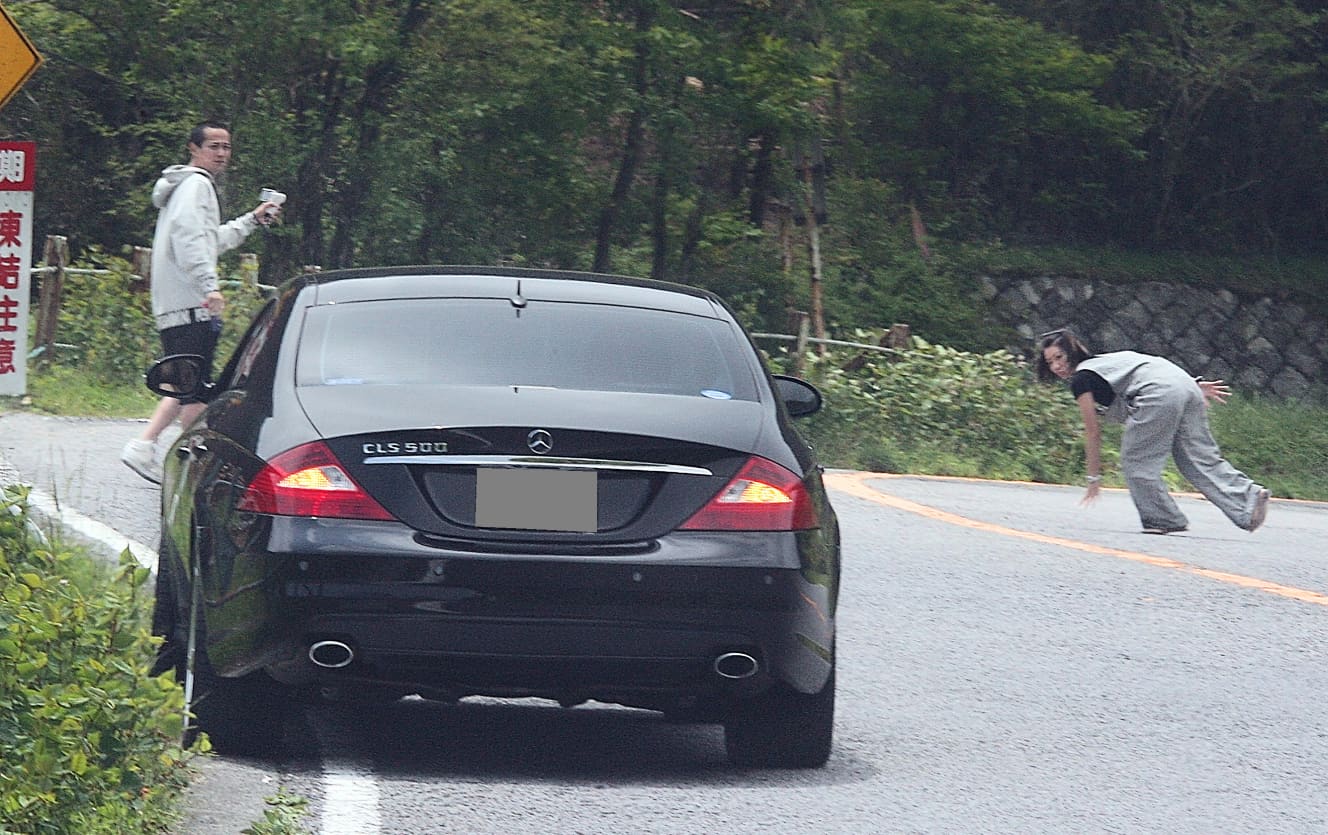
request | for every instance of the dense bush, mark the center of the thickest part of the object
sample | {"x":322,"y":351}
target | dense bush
{"x":105,"y":324}
{"x":936,"y":410}
{"x":106,"y":320}
{"x":89,"y":738}
{"x":933,"y":410}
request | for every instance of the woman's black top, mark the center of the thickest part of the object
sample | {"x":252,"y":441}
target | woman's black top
{"x":1082,"y":381}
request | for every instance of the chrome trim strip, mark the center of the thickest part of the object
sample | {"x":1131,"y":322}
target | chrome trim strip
{"x":541,"y":462}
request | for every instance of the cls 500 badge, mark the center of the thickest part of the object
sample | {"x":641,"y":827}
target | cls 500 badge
{"x":403,"y":447}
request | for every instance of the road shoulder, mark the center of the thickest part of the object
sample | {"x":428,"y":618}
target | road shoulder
{"x":225,"y":796}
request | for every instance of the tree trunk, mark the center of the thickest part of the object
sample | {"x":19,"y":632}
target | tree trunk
{"x":659,"y":226}
{"x":622,"y":185}
{"x":763,"y":180}
{"x":814,"y":252}
{"x":633,"y":148}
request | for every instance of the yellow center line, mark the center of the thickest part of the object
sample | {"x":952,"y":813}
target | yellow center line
{"x":855,"y":484}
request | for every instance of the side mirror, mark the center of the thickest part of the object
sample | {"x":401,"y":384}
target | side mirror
{"x":800,"y":397}
{"x":179,"y":376}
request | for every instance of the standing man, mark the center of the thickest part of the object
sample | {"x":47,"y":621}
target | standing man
{"x":186,"y":294}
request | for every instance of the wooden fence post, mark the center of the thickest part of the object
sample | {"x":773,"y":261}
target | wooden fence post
{"x":800,"y":351}
{"x":249,"y":269}
{"x":56,"y":256}
{"x":899,"y":337}
{"x":142,"y":267}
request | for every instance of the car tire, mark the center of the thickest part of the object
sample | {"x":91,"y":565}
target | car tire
{"x":241,"y":716}
{"x":784,"y":729}
{"x":167,"y":616}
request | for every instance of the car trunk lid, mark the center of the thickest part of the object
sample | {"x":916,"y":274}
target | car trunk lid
{"x":634,"y":468}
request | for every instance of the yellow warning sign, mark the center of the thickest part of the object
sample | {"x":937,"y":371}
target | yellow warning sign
{"x":18,"y":59}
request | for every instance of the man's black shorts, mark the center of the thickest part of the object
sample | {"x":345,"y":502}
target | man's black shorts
{"x":194,"y":338}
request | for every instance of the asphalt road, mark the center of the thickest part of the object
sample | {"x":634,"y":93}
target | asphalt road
{"x":1009,"y":662}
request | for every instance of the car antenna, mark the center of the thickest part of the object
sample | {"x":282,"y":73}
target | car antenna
{"x":518,"y":301}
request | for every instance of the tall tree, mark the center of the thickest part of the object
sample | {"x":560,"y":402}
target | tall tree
{"x":1200,"y":58}
{"x":983,"y":116}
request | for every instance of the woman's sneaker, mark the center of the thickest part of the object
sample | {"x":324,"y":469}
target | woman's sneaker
{"x":141,"y":457}
{"x":1163,"y":530}
{"x":1260,"y":512}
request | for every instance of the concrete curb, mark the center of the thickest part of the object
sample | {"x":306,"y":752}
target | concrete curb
{"x":101,"y":540}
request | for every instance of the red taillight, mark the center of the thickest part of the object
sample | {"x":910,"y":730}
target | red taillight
{"x":309,"y":481}
{"x":763,"y":496}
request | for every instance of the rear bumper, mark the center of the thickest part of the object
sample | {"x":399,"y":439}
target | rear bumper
{"x":643,"y":635}
{"x":646,"y":633}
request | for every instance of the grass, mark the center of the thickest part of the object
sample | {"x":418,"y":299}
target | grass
{"x":59,"y":390}
{"x":1281,"y":445}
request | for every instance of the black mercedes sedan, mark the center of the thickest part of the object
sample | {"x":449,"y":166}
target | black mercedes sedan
{"x":447,"y":482}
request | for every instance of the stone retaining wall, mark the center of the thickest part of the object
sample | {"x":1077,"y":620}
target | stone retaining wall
{"x":1262,"y":346}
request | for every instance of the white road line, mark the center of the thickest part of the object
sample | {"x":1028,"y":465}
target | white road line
{"x":350,"y":791}
{"x":350,"y":801}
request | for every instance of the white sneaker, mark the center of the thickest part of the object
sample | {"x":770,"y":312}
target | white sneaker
{"x":1260,"y":510}
{"x":141,"y":457}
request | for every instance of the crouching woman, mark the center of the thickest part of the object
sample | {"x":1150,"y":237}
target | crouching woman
{"x":1165,"y":412}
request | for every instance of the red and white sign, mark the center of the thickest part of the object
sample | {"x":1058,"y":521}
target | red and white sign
{"x":18,"y":168}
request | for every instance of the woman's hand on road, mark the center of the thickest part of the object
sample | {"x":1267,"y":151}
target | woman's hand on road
{"x":1090,"y":495}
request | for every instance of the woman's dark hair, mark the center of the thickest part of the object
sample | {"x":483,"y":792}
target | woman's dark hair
{"x":1075,"y":352}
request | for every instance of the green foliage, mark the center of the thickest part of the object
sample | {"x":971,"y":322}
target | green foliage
{"x":1283,"y":445}
{"x":737,"y":263}
{"x":937,"y":410}
{"x":106,"y":323}
{"x":284,"y":815}
{"x":934,"y":410}
{"x":486,"y":130}
{"x":1193,"y":66}
{"x":876,"y":273}
{"x":107,"y":319}
{"x":90,"y":739}
{"x":958,"y":102}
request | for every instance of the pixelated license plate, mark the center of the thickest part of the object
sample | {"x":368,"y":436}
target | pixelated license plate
{"x":537,"y":500}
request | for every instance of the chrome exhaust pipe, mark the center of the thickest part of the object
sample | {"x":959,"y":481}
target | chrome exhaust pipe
{"x":331,"y":655}
{"x":735,"y":665}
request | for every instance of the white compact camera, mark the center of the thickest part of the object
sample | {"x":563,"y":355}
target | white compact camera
{"x":271,"y":195}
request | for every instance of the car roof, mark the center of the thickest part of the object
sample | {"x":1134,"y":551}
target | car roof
{"x":365,"y":284}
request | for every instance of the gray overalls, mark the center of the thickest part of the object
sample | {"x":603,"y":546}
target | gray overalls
{"x":1164,"y":413}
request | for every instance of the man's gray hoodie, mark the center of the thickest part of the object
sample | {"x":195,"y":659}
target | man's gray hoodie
{"x":189,"y":238}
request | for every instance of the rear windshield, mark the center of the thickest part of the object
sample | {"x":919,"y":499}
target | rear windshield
{"x":488,"y":342}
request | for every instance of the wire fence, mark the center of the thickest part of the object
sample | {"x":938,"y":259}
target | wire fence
{"x":55,"y":268}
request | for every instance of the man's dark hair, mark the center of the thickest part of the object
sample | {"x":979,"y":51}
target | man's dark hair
{"x":199,"y":133}
{"x":1075,"y":352}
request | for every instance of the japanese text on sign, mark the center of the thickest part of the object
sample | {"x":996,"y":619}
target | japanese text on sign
{"x":13,"y":166}
{"x":16,"y":180}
